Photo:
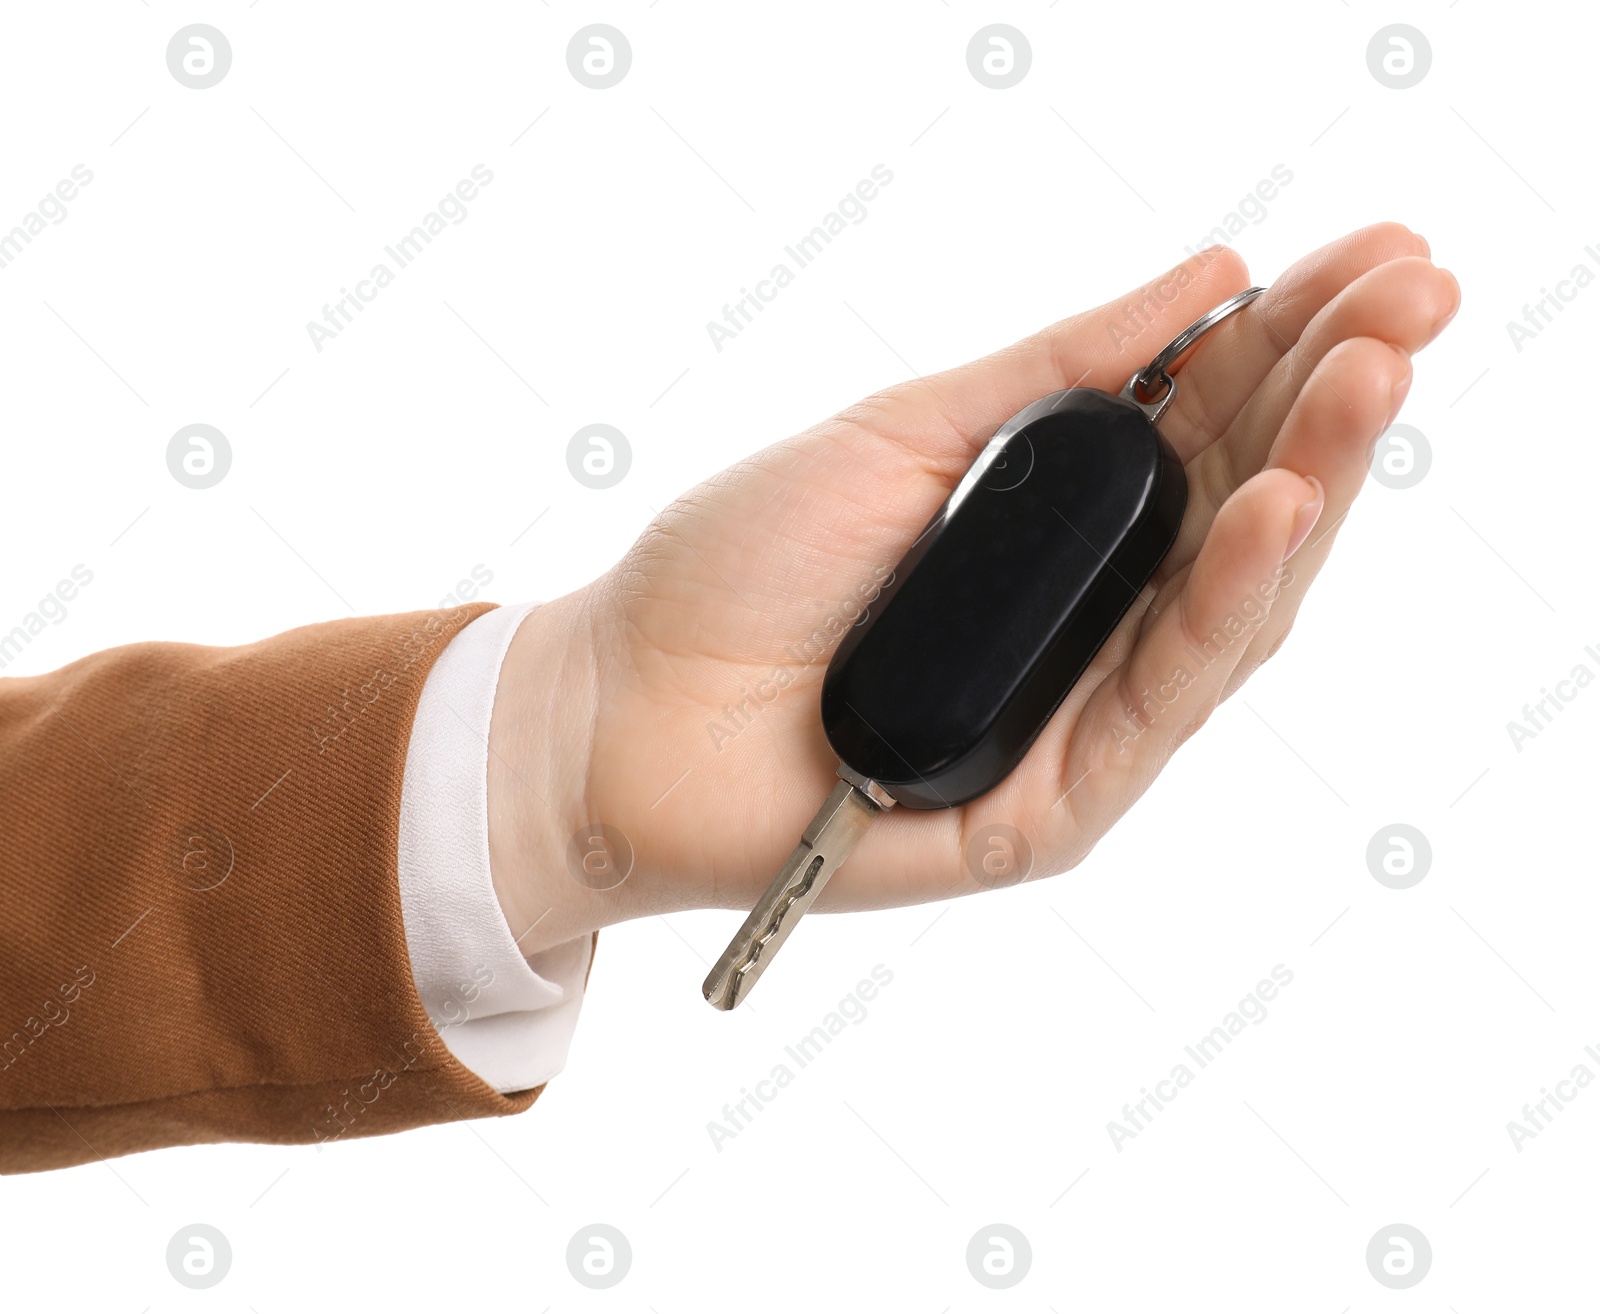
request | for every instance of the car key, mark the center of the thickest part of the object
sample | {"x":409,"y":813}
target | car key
{"x":935,"y":695}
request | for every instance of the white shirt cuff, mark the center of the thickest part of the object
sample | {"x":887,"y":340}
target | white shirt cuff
{"x":508,"y":1018}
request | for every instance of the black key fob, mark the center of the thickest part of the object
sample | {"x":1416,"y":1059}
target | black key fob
{"x":1001,"y":604}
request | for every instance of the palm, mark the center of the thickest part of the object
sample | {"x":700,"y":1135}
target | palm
{"x":712,"y":664}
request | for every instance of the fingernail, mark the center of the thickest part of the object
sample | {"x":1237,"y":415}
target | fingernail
{"x":1397,"y":398}
{"x":1305,"y":518}
{"x":1443,"y":322}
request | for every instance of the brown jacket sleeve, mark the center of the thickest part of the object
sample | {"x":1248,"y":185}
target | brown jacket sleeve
{"x":202,"y":937}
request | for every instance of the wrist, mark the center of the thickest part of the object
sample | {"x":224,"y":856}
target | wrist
{"x":540,"y":739}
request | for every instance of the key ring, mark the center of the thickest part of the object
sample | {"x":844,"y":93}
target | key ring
{"x":1156,"y":371}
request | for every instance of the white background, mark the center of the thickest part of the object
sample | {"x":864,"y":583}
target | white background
{"x":373,"y":475}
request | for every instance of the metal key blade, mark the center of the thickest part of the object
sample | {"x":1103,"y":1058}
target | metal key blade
{"x":823,"y":847}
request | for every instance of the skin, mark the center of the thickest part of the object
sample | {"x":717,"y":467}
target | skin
{"x":606,"y":695}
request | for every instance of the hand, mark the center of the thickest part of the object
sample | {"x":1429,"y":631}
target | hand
{"x":614,"y":703}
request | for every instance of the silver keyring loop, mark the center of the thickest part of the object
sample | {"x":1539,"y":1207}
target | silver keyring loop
{"x":1156,"y":371}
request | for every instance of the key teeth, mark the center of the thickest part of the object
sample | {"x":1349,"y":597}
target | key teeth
{"x":791,"y":896}
{"x":832,"y":834}
{"x":736,"y":975}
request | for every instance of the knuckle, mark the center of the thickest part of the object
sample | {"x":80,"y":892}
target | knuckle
{"x":1191,"y":726}
{"x":1277,"y":642}
{"x":1194,"y":639}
